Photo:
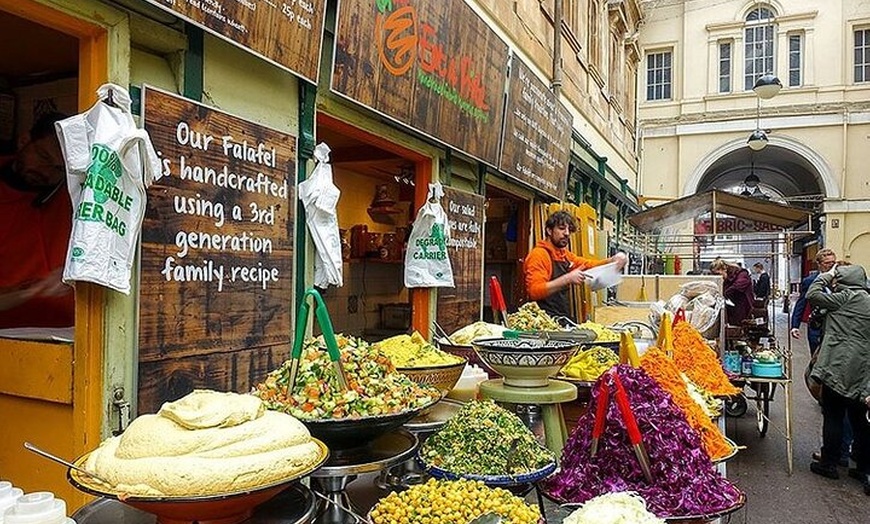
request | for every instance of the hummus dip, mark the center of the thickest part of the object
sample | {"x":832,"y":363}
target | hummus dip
{"x":206,"y":443}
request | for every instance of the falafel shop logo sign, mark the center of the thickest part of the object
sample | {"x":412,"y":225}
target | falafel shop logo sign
{"x":433,"y":65}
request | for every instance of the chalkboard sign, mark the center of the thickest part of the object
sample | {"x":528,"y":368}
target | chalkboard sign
{"x":537,"y":133}
{"x":433,"y":65}
{"x":288,"y":33}
{"x":460,"y":306}
{"x":216,"y":279}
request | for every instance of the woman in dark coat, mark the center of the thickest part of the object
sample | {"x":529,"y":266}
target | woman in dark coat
{"x":737,"y":288}
{"x":843,"y":367}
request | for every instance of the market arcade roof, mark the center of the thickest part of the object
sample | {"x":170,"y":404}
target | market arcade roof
{"x":719,"y":202}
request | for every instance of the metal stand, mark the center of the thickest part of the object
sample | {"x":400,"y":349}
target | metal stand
{"x":343,"y":467}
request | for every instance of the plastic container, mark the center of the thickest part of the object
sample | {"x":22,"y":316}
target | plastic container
{"x":746,"y":365}
{"x":467,"y":386}
{"x":767,"y":369}
{"x":9,"y":494}
{"x":39,"y":507}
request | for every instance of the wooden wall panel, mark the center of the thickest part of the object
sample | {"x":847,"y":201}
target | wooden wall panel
{"x":286,"y":33}
{"x":217,"y":252}
{"x":461,"y":305}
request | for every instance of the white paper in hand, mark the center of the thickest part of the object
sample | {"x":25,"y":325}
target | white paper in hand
{"x":600,"y":277}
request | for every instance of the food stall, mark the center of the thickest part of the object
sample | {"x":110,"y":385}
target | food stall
{"x":775,"y":229}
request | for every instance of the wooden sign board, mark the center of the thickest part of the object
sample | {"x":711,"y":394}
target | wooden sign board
{"x":460,"y":306}
{"x":216,"y":278}
{"x":432,"y":65}
{"x":288,"y":33}
{"x":536,"y":142}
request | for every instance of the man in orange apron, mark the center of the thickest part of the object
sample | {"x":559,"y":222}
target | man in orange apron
{"x":551,"y":269}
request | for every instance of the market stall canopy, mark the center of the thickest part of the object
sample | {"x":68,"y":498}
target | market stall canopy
{"x":719,"y":202}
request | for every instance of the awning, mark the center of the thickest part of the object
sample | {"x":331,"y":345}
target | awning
{"x":719,"y":202}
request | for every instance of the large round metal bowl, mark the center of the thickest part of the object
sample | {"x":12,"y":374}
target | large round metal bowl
{"x":443,"y":377}
{"x":223,"y":508}
{"x":525,"y":362}
{"x":347,"y":433}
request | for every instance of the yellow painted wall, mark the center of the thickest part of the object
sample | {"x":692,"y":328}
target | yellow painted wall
{"x":140,"y":51}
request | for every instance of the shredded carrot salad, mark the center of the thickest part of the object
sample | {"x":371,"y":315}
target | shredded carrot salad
{"x":697,"y":359}
{"x":664,"y":371}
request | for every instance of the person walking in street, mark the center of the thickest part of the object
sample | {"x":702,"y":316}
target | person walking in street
{"x":761,"y":288}
{"x":551,"y":269}
{"x":814,"y":319}
{"x":843,"y":367}
{"x":825,"y":260}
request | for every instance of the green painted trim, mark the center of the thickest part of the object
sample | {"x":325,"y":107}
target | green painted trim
{"x":193,"y":62}
{"x":307,"y":99}
{"x":447,"y":171}
{"x":481,"y":179}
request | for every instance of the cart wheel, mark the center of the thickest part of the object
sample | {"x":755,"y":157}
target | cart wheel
{"x":735,"y":406}
{"x":762,"y":412}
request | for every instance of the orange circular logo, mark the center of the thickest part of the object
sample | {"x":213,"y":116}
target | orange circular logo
{"x":397,"y":40}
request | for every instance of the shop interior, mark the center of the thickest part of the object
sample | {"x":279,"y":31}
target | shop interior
{"x":375,"y":213}
{"x":38,"y":78}
{"x":506,"y":241}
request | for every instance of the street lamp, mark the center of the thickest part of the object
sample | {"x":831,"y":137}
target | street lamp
{"x":757,"y":140}
{"x":767,"y":86}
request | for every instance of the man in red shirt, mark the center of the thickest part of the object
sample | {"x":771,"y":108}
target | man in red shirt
{"x":35,"y":224}
{"x":551,"y":269}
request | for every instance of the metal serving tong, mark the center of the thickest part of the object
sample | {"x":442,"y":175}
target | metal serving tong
{"x":497,"y":302}
{"x":322,"y":316}
{"x":634,"y":435}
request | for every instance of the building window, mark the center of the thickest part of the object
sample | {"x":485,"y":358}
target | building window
{"x":616,"y":67}
{"x":862,"y":55}
{"x":658,"y":76}
{"x":759,"y":53}
{"x":595,"y":32}
{"x":725,"y":67}
{"x":795,"y":59}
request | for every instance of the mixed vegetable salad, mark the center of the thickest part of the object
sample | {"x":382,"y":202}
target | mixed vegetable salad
{"x":530,"y":317}
{"x":374,"y":386}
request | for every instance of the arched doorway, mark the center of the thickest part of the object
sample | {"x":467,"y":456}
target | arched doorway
{"x":786,"y":168}
{"x":786,"y":172}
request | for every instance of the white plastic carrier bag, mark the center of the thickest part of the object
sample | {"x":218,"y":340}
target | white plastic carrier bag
{"x":320,"y":196}
{"x":426,"y":261}
{"x":109,"y":161}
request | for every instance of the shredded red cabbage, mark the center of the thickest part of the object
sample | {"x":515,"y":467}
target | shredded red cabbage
{"x":686,"y":483}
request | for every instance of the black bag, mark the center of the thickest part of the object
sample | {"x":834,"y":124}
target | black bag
{"x":817,"y":318}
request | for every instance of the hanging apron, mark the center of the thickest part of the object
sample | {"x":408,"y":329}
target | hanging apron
{"x":558,"y":304}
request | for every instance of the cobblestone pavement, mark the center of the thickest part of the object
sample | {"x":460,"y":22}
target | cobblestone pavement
{"x":761,"y":469}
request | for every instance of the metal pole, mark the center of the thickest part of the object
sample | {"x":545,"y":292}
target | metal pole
{"x":789,"y":369}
